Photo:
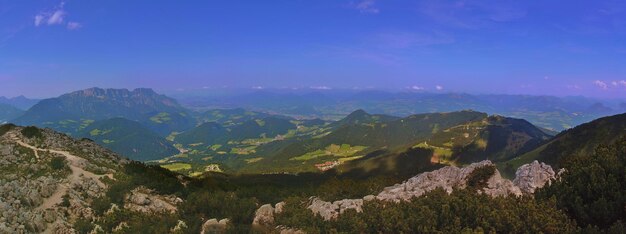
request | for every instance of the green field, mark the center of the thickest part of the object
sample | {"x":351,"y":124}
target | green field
{"x":344,"y":150}
{"x":177,"y":166}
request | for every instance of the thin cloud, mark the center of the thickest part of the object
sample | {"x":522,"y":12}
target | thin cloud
{"x":320,"y":87}
{"x":56,"y":17}
{"x":74,"y":25}
{"x":439,"y":87}
{"x":415,"y":87}
{"x":39,"y":19}
{"x":617,"y":83}
{"x":403,"y":40}
{"x":367,"y":6}
{"x":600,"y":84}
{"x":472,"y":14}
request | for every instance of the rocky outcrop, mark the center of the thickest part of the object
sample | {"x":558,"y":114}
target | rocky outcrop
{"x":264,"y":216}
{"x":144,"y":200}
{"x":36,"y":196}
{"x":530,"y":177}
{"x":332,"y":210}
{"x":447,"y":178}
{"x":214,"y":226}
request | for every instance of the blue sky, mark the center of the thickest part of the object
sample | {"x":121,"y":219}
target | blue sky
{"x":518,"y":47}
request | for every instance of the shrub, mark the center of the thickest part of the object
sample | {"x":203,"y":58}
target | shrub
{"x":5,"y":128}
{"x":31,"y":132}
{"x":477,"y":179}
{"x":57,"y":163}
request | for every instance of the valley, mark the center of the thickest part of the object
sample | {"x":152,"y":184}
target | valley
{"x":234,"y":170}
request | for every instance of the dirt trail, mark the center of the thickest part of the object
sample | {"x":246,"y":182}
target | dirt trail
{"x":75,"y":163}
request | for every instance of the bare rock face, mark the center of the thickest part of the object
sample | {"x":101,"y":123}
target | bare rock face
{"x":530,"y":177}
{"x":264,"y":215}
{"x":447,"y":178}
{"x":144,"y":200}
{"x":214,"y":226}
{"x":332,"y":210}
{"x":498,"y":186}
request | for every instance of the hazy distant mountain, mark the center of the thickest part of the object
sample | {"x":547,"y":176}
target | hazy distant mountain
{"x":129,"y":138}
{"x":74,"y":111}
{"x":362,"y":117}
{"x":555,"y":113}
{"x":8,"y":112}
{"x":20,"y":102}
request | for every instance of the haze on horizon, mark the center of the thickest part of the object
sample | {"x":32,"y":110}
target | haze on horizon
{"x":505,"y":47}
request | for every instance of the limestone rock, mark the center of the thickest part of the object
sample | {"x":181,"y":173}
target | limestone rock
{"x":332,"y":210}
{"x":264,"y":216}
{"x":279,"y":207}
{"x":215,"y":226}
{"x":145,"y":200}
{"x":530,"y":177}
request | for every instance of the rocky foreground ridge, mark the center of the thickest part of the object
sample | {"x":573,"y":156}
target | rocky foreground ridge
{"x":529,"y":178}
{"x":44,"y":185}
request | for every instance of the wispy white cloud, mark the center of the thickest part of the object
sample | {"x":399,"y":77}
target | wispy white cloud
{"x":74,"y":25}
{"x":366,"y":6}
{"x":574,"y":87}
{"x":601,"y":84}
{"x":409,"y":39}
{"x":56,"y":17}
{"x":39,"y":19}
{"x":619,"y":83}
{"x":321,"y":87}
{"x":438,"y":87}
{"x":257,"y":87}
{"x":415,"y":87}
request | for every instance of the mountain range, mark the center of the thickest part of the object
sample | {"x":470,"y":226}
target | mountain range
{"x":60,"y":184}
{"x":554,"y":113}
{"x":20,"y":102}
{"x":144,"y":125}
{"x":73,"y":111}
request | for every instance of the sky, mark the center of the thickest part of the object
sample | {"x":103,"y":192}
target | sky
{"x":50,"y":47}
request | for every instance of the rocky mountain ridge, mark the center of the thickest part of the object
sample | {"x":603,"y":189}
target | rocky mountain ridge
{"x":529,"y":178}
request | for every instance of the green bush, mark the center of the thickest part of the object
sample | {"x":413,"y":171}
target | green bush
{"x":58,"y":163}
{"x":478,"y":178}
{"x":83,"y":226}
{"x":31,"y":132}
{"x":5,"y":128}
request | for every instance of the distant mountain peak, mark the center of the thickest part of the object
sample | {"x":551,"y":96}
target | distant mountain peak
{"x":95,"y":91}
{"x":359,"y":112}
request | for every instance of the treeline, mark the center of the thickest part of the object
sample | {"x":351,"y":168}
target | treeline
{"x":592,"y":190}
{"x":590,"y":197}
{"x":216,"y":196}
